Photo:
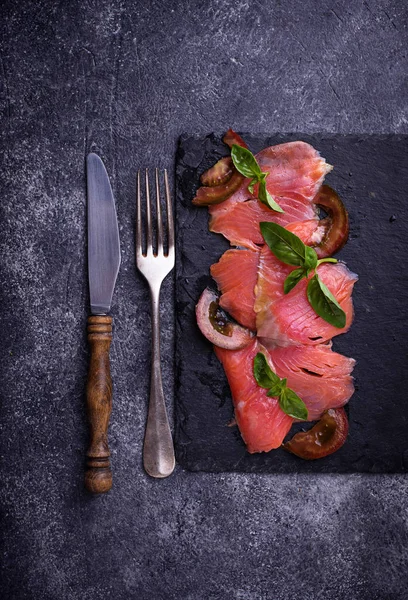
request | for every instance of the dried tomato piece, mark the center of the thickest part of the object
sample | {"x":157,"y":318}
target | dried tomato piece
{"x":324,"y":438}
{"x":221,"y":180}
{"x":220,"y":173}
{"x":231,"y":138}
{"x":216,"y":194}
{"x":336,"y":224}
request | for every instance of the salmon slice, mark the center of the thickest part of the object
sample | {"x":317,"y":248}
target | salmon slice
{"x":311,"y":232}
{"x":293,"y":167}
{"x":321,"y":377}
{"x":296,"y":172}
{"x":283,"y":320}
{"x":272,"y":272}
{"x":236,"y":274}
{"x":262,"y":423}
{"x":240,"y":224}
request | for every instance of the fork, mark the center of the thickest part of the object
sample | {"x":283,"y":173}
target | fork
{"x":158,"y":450}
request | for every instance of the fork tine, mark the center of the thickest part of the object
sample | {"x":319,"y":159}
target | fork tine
{"x":139,"y":249}
{"x":170,"y":221}
{"x":149,"y":247}
{"x":159,"y":217}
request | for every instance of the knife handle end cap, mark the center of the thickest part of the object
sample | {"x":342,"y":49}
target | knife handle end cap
{"x":98,"y":480}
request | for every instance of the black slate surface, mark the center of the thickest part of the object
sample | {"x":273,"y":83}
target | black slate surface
{"x":125,"y":79}
{"x":371,"y":175}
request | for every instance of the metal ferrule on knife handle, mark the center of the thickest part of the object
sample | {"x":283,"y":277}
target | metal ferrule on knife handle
{"x":98,"y":475}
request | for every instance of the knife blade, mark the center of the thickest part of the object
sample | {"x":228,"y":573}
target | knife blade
{"x":103,"y":237}
{"x":103,"y":268}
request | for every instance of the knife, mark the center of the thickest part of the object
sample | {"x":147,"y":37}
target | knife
{"x":103,"y":268}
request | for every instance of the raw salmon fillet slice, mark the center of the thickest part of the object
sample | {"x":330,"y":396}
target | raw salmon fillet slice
{"x":236,"y":274}
{"x":283,"y":320}
{"x":240,"y":224}
{"x":262,"y":423}
{"x":293,"y":167}
{"x":296,"y":172}
{"x":295,"y":340}
{"x":321,"y":377}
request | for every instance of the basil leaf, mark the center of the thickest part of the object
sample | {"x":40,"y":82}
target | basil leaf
{"x":292,"y":405}
{"x":263,"y":373}
{"x":252,"y":184}
{"x":324,"y":303}
{"x":311,"y":261}
{"x":285,"y":245}
{"x":265,"y":197}
{"x":293,"y":279}
{"x":327,"y":260}
{"x":245,"y":162}
{"x":275,"y":391}
{"x":289,"y":402}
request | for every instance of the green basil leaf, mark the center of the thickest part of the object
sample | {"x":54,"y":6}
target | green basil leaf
{"x":292,"y":405}
{"x":293,"y":279}
{"x":285,"y":245}
{"x":328,"y":260}
{"x":289,"y":402}
{"x":252,"y":184}
{"x":311,"y":261}
{"x":245,"y":162}
{"x":262,"y":193}
{"x":263,"y":373}
{"x":265,"y":197}
{"x":275,"y":391}
{"x":324,"y":303}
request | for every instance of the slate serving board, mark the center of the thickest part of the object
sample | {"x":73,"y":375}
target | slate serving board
{"x":371,"y":176}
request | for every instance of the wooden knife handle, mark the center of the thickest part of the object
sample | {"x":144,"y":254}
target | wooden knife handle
{"x":98,"y":475}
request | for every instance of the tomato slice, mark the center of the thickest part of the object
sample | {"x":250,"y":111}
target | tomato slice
{"x":231,"y":138}
{"x":324,"y":438}
{"x":221,"y":180}
{"x":216,"y":194}
{"x":336,"y":224}
{"x":220,"y":173}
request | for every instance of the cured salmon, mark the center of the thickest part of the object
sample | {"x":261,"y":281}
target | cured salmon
{"x":271,"y":272}
{"x":237,"y":272}
{"x":262,"y":423}
{"x":296,"y":172}
{"x":321,"y":377}
{"x":240,"y":224}
{"x":236,"y":275}
{"x":283,"y":320}
{"x":293,"y":167}
{"x":294,"y":339}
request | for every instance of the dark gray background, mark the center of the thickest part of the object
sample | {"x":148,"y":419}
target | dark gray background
{"x":125,"y":79}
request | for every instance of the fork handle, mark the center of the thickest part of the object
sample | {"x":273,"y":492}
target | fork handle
{"x":98,"y":475}
{"x":158,"y":449}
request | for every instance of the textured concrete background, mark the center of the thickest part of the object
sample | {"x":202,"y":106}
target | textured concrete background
{"x":125,"y":79}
